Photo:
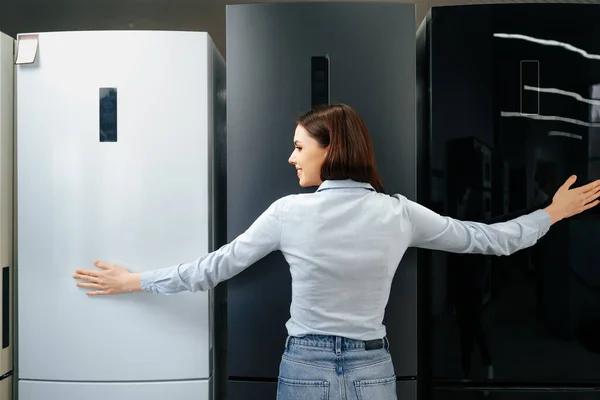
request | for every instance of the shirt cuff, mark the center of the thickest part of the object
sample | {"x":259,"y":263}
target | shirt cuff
{"x":147,"y":282}
{"x":542,"y":219}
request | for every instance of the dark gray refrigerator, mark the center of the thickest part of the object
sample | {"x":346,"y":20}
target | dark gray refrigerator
{"x":281,"y":60}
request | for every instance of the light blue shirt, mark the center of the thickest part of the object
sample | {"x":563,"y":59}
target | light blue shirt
{"x":343,"y":244}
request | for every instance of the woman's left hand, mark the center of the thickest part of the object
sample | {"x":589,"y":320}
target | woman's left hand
{"x":568,"y":202}
{"x":108,"y":279}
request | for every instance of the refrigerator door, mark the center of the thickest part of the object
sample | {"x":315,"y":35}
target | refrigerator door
{"x":533,"y":394}
{"x":6,"y":388}
{"x":406,"y":390}
{"x":509,"y":123}
{"x":190,"y":390}
{"x":276,"y":71}
{"x":240,"y":390}
{"x":113,"y":164}
{"x":7,"y":269}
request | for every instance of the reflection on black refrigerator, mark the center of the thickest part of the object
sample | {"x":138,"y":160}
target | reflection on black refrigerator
{"x":514,"y":109}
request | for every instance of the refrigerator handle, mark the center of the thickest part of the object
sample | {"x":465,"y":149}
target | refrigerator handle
{"x":5,"y":307}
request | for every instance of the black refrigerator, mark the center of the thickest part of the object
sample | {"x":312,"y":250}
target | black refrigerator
{"x":283,"y":59}
{"x":509,"y":107}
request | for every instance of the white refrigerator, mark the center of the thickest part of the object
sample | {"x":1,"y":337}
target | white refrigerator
{"x":116,"y":139}
{"x":6,"y":214}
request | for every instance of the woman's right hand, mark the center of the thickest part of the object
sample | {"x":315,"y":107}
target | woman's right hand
{"x":108,"y":279}
{"x":568,"y":202}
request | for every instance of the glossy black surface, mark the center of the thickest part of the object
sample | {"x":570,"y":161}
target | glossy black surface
{"x":500,"y":139}
{"x":6,"y":307}
{"x":371,"y":52}
{"x":108,"y":114}
{"x":532,"y":394}
{"x":319,"y":75}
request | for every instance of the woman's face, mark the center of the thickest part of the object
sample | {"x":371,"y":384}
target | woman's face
{"x":307,"y":157}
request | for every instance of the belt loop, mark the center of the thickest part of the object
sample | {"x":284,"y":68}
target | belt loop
{"x":338,"y":345}
{"x":386,"y":343}
{"x":287,"y":342}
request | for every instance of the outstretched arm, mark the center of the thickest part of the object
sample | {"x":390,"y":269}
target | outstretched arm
{"x":207,"y":271}
{"x":433,"y":231}
{"x":204,"y":273}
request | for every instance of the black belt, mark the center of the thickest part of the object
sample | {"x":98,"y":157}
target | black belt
{"x":375,"y":344}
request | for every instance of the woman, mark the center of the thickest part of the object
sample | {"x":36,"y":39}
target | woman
{"x":343,"y":244}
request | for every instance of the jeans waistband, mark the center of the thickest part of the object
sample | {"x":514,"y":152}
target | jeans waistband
{"x":337,"y":342}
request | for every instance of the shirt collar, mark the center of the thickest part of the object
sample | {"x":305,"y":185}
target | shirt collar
{"x":344,"y":184}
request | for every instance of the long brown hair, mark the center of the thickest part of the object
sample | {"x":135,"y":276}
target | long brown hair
{"x":350,"y":154}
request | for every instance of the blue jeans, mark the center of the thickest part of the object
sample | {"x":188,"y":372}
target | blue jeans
{"x":334,"y":368}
